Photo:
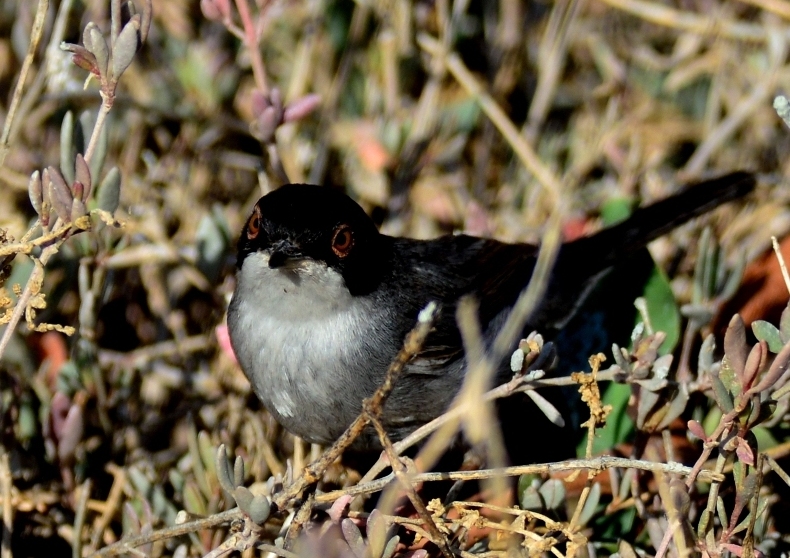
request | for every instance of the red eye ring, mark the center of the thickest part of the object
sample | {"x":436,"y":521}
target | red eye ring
{"x":254,"y":224}
{"x":342,"y":241}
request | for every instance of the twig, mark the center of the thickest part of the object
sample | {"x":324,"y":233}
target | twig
{"x":251,"y":39}
{"x":140,"y":357}
{"x":400,"y":472}
{"x":301,"y":517}
{"x":782,"y":264}
{"x":112,"y":504}
{"x":35,"y":37}
{"x":104,"y":110}
{"x":27,"y":247}
{"x":514,"y":386}
{"x":21,"y":304}
{"x":662,"y":548}
{"x":683,"y":20}
{"x":597,"y":464}
{"x":125,"y":545}
{"x":79,"y":518}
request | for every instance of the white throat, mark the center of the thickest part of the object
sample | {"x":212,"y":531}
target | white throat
{"x":300,"y":337}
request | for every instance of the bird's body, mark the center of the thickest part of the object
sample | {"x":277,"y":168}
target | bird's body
{"x":323,"y":302}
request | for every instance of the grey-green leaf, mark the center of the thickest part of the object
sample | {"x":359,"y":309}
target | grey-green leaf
{"x":238,"y":471}
{"x":98,"y":47}
{"x":125,"y":47}
{"x":259,"y":509}
{"x":765,"y":331}
{"x":720,"y":394}
{"x":243,"y":498}
{"x":547,"y":408}
{"x":590,"y":506}
{"x":109,"y":194}
{"x":67,"y":148}
{"x":553,"y":493}
{"x":223,"y":470}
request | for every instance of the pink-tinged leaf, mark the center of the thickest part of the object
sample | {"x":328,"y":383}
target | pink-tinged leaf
{"x":59,"y":193}
{"x":735,"y":344}
{"x":752,"y":366}
{"x":339,"y":509}
{"x":71,"y":434}
{"x":744,"y":492}
{"x":58,"y":409}
{"x":259,"y":102}
{"x":734,"y":548}
{"x":696,"y":429}
{"x":210,"y":10}
{"x":87,"y":63}
{"x":82,"y":174}
{"x":778,"y":367}
{"x":744,"y":452}
{"x":224,"y":7}
{"x":77,"y":190}
{"x":301,"y":107}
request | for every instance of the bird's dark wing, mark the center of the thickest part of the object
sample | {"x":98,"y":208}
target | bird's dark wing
{"x":495,"y":273}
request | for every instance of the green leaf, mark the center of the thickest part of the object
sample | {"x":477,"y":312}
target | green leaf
{"x":619,"y":425}
{"x":768,"y":332}
{"x":662,"y":309}
{"x":616,"y":210}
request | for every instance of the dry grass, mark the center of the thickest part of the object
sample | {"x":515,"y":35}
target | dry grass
{"x":484,"y":117}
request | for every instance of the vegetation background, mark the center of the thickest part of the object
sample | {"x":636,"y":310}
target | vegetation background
{"x":437,"y":116}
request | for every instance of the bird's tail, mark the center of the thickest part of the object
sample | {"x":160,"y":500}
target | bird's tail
{"x":603,"y":249}
{"x":579,"y":262}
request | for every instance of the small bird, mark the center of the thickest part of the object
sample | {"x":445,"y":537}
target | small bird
{"x":323,"y":302}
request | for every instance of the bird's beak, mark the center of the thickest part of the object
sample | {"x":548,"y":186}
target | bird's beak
{"x":282,"y":252}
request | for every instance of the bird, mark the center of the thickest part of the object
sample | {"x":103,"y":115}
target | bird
{"x":323,"y":302}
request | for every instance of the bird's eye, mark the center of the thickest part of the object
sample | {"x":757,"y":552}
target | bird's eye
{"x":342,"y":241}
{"x":254,"y":224}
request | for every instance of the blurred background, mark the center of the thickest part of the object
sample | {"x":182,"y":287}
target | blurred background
{"x":437,"y":116}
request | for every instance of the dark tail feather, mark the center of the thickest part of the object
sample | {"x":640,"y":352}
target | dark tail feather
{"x":605,"y":248}
{"x":581,"y":261}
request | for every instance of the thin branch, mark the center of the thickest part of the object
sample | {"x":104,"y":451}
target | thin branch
{"x":597,"y":465}
{"x":126,"y":545}
{"x":404,"y":477}
{"x":35,"y":37}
